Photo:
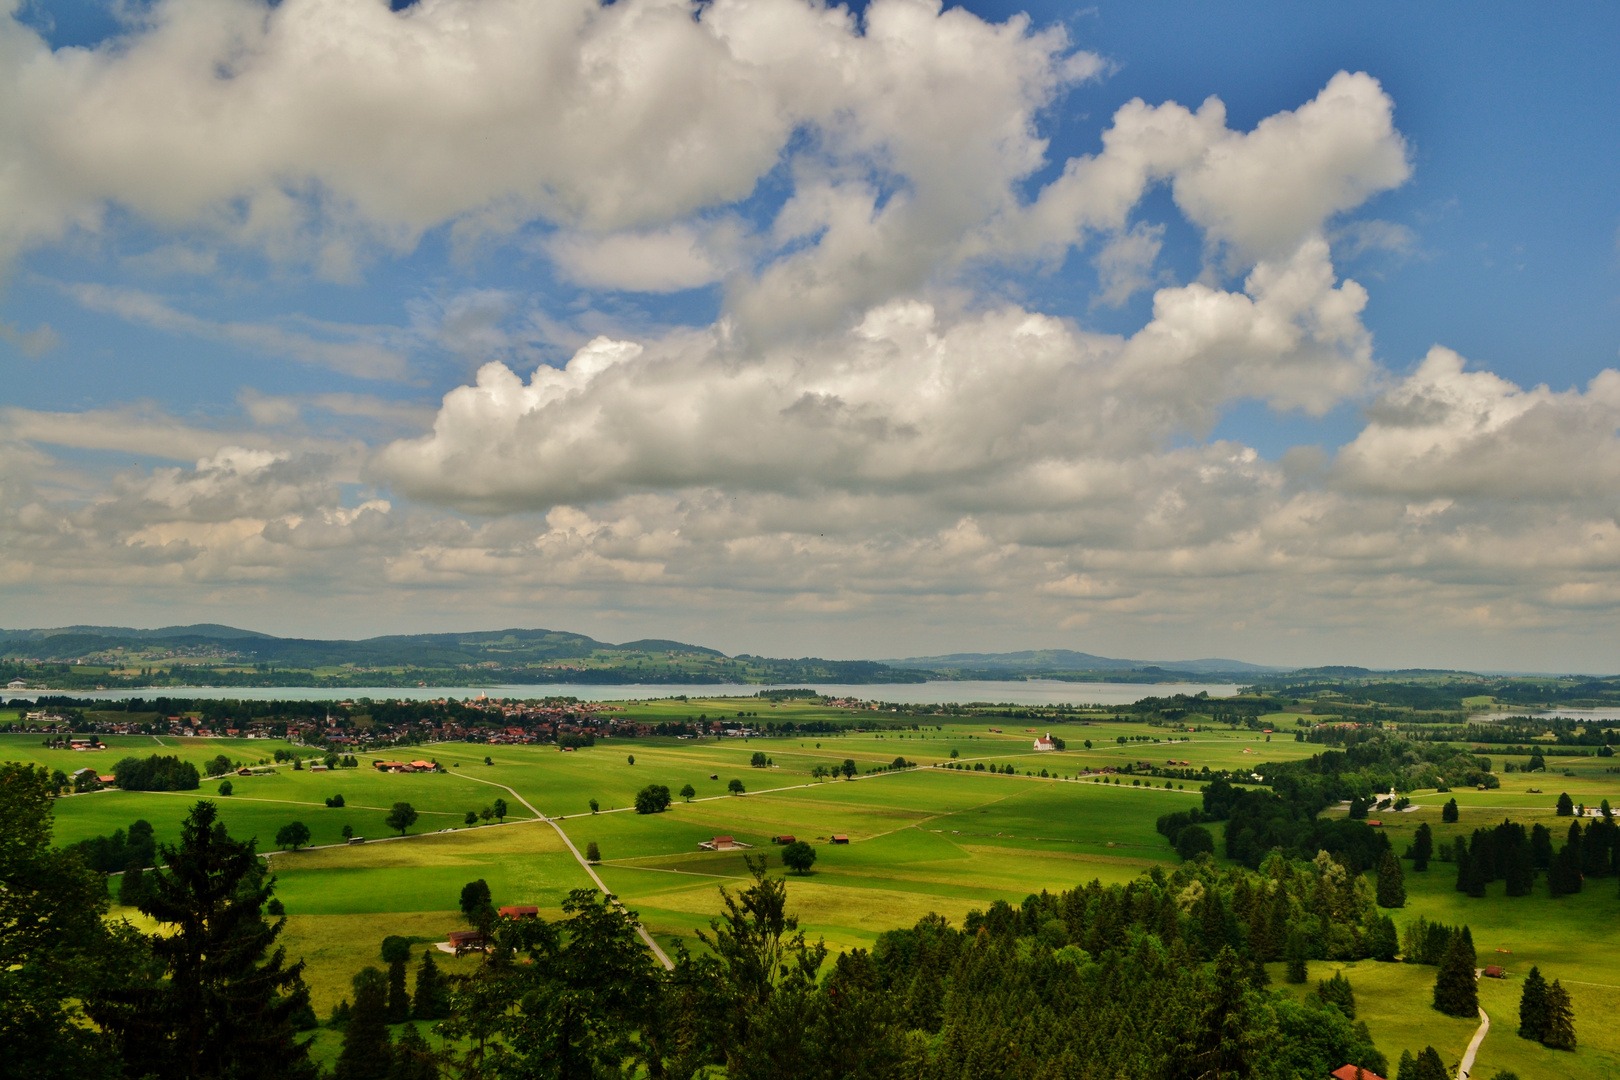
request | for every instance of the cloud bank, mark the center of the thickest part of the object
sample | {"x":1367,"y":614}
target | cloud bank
{"x":876,"y":439}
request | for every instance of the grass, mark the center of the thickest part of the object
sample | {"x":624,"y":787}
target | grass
{"x":924,"y":840}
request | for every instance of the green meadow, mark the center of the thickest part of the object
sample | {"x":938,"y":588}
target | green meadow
{"x":925,"y":839}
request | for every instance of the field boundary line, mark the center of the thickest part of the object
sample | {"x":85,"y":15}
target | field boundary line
{"x":663,"y":957}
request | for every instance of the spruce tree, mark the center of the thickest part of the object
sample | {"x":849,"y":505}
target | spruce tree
{"x":1408,"y":1067}
{"x":399,"y":999}
{"x":1533,"y":1006}
{"x":1520,"y":873}
{"x":224,"y":1009}
{"x":1338,"y":991}
{"x":413,"y":1057}
{"x":132,"y":886}
{"x":1295,"y":956}
{"x":1382,"y":940}
{"x":1560,"y":1033}
{"x":1564,"y":878}
{"x":1430,"y":1067}
{"x":1476,"y":875}
{"x":1391,"y":887}
{"x":431,"y":1001}
{"x":1455,"y":991}
{"x":1448,"y":812}
{"x":1422,"y":848}
{"x":1541,"y":848}
{"x":1566,"y":805}
{"x":1464,"y":861}
{"x":367,"y":1052}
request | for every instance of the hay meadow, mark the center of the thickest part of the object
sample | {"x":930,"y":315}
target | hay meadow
{"x":930,"y":838}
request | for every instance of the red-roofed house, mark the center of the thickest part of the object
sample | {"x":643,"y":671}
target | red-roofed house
{"x":520,"y":911}
{"x":1354,"y":1072}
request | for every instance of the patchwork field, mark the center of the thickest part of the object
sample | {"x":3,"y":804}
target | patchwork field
{"x":927,"y":839}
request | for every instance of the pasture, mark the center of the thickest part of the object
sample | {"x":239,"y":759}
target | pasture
{"x":927,"y":839}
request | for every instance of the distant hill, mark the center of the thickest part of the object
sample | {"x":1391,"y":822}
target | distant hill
{"x":1057,"y":663}
{"x":87,"y":656}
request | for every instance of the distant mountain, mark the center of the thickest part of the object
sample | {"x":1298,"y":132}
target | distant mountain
{"x":1057,"y":662}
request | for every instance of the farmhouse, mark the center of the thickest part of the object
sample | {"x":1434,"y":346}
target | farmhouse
{"x":839,"y":838}
{"x":785,"y":838}
{"x":722,"y":843}
{"x":519,"y":911}
{"x":17,"y":684}
{"x":1354,"y":1072}
{"x":465,"y":941}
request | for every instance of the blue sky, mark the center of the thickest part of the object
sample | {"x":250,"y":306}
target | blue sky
{"x":878,"y":355}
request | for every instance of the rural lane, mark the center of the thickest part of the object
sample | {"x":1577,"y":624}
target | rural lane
{"x":663,"y":957}
{"x":1467,"y":1064}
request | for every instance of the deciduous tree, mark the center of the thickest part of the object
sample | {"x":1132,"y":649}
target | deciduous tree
{"x":401,"y":817}
{"x":798,"y":857}
{"x":294,"y":834}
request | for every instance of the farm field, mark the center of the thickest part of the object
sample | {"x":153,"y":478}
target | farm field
{"x":928,"y":839}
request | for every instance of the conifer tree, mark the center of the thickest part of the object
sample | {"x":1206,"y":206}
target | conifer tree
{"x":1533,"y":1006}
{"x":1476,"y":874}
{"x":1566,"y":805}
{"x":132,"y":886}
{"x":1520,"y":872}
{"x":413,"y":1058}
{"x":367,"y":1051}
{"x":1429,"y":1065}
{"x":1541,"y":849}
{"x":1408,"y":1067}
{"x":223,"y":1010}
{"x":1448,"y":812}
{"x":1560,"y":1033}
{"x":1295,"y":956}
{"x":1464,"y":862}
{"x":1383,"y":941}
{"x":1391,"y":887}
{"x":1338,"y":991}
{"x":431,"y":1001}
{"x":1564,"y":877}
{"x":1422,"y":848}
{"x":1455,"y":991}
{"x":399,"y":1000}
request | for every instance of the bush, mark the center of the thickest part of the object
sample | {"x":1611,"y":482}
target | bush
{"x":652,"y":799}
{"x":225,"y":788}
{"x":335,"y":801}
